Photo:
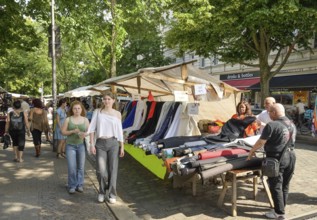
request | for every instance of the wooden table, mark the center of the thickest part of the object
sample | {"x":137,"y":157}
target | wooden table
{"x":231,"y":178}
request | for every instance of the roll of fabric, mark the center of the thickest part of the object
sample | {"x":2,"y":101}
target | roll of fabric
{"x":168,"y":163}
{"x":198,"y":163}
{"x":178,"y":151}
{"x":187,"y":171}
{"x":234,"y":164}
{"x":219,"y":153}
{"x":211,"y":165}
{"x":195,"y":143}
{"x":167,"y":153}
{"x":199,"y":148}
{"x":177,"y":141}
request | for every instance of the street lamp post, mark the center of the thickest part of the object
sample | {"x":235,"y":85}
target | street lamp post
{"x":53,"y":67}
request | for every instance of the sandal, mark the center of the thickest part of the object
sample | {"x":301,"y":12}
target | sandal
{"x":16,"y":160}
{"x":63,"y":154}
{"x":58,"y":156}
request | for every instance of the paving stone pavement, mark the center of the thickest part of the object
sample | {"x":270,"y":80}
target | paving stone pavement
{"x":35,"y":189}
{"x":151,"y":198}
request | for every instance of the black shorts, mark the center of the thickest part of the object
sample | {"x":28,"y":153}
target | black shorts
{"x":18,"y":139}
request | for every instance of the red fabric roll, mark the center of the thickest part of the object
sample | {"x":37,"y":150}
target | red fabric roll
{"x":219,"y":153}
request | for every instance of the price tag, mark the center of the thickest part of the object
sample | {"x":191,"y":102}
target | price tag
{"x":181,"y":96}
{"x":136,"y":97}
{"x":193,"y":108}
{"x":200,"y":89}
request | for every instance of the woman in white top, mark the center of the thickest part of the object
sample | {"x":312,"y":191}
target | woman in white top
{"x":106,"y":127}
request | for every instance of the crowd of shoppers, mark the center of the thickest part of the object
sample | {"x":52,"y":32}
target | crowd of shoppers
{"x":104,"y":128}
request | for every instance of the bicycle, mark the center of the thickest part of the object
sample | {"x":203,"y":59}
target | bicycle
{"x":305,"y":128}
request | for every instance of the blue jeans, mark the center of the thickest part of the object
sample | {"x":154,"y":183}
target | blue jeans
{"x":76,"y":156}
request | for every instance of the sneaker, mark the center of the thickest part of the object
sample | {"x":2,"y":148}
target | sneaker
{"x":101,"y":197}
{"x":80,"y":189}
{"x":273,"y":215}
{"x":71,"y":191}
{"x":112,"y":200}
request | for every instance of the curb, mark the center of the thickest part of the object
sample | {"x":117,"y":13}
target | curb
{"x":306,"y":139}
{"x":120,"y":209}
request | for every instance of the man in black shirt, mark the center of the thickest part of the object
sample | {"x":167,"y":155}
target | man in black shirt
{"x":275,"y":136}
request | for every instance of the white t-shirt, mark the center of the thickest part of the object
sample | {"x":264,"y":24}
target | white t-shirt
{"x":264,"y":118}
{"x":300,"y":108}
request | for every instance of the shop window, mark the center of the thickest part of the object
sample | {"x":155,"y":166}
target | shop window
{"x":284,"y":99}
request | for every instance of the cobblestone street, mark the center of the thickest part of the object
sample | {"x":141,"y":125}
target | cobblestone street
{"x":36,"y":189}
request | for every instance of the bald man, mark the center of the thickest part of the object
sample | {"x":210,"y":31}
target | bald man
{"x":275,"y":137}
{"x":263,"y":118}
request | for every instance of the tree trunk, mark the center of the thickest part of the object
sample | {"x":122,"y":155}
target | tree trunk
{"x":265,"y":77}
{"x":113,"y":69}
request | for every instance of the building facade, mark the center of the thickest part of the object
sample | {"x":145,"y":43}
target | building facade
{"x":296,"y":80}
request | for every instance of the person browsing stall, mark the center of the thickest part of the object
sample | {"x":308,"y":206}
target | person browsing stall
{"x":75,"y":127}
{"x":275,"y":136}
{"x":263,"y":118}
{"x":106,"y":127}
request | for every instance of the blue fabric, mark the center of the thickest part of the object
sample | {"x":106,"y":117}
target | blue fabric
{"x":128,"y":122}
{"x":169,"y":118}
{"x":76,"y":165}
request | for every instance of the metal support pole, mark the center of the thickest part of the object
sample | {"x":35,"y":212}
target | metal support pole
{"x":53,"y":68}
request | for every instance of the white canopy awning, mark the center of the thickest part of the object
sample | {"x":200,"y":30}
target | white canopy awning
{"x":82,"y":92}
{"x":163,"y":81}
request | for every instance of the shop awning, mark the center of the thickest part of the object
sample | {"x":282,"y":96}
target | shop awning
{"x":307,"y":81}
{"x":242,"y":83}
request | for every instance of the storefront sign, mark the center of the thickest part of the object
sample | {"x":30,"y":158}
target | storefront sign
{"x":246,"y":75}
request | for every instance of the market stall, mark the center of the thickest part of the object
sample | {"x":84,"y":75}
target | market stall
{"x":172,"y":84}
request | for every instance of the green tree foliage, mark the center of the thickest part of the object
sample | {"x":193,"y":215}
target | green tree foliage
{"x":25,"y":71}
{"x":86,"y":42}
{"x":144,"y":43}
{"x":15,"y":32}
{"x":244,"y":32}
{"x":88,"y":25}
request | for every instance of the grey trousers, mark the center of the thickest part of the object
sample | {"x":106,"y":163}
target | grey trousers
{"x":107,"y":155}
